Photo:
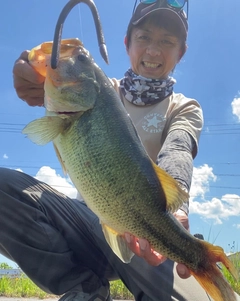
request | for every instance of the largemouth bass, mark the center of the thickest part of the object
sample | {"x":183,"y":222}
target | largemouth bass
{"x":99,"y":148}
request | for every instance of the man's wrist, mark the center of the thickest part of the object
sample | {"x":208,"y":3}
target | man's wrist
{"x":182,"y":211}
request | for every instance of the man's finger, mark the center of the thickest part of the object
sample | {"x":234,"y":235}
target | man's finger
{"x":22,"y":70}
{"x":141,"y":248}
{"x":182,"y":271}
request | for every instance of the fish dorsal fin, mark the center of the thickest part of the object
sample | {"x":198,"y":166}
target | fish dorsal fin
{"x":175,"y":196}
{"x":117,"y":244}
{"x":42,"y":131}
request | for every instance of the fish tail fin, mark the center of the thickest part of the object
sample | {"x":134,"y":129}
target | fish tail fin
{"x":212,"y":279}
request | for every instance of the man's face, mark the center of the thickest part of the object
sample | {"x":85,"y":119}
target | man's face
{"x":153,"y":51}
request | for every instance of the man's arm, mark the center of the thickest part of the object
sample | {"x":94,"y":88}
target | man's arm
{"x":176,"y":159}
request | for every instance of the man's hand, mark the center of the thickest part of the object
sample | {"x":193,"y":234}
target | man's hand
{"x":27,"y":82}
{"x":182,"y":217}
{"x":142,"y":248}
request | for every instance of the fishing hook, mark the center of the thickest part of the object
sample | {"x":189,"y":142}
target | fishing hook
{"x":59,"y":26}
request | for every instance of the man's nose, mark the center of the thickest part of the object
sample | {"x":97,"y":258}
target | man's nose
{"x":153,"y":49}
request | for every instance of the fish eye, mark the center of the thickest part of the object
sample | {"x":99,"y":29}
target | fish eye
{"x":82,"y":57}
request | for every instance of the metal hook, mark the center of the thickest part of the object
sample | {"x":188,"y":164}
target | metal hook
{"x":58,"y":30}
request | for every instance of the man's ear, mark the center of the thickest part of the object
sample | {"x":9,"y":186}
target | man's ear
{"x":126,"y":42}
{"x":180,"y":56}
{"x":182,"y":52}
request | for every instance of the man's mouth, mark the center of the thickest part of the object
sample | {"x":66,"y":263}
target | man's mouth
{"x":151,"y":65}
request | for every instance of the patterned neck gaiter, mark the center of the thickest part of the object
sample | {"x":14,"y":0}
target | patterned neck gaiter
{"x":144,"y":91}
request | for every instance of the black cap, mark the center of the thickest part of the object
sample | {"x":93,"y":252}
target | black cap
{"x":144,"y":10}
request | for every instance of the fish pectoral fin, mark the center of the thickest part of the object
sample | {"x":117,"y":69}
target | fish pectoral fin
{"x":45,"y":129}
{"x":117,"y":244}
{"x":175,"y":196}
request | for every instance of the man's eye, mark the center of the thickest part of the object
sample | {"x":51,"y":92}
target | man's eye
{"x":167,"y":42}
{"x":143,"y":38}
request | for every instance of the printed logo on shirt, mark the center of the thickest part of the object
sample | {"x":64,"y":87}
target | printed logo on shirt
{"x":153,"y":123}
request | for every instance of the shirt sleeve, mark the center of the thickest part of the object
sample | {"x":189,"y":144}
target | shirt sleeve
{"x":185,"y":114}
{"x":175,"y":157}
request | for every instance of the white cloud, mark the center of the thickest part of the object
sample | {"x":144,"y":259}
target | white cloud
{"x":236,"y":107}
{"x":5,"y":156}
{"x":237,"y":226}
{"x":48,"y":175}
{"x":216,"y":209}
{"x":200,"y":180}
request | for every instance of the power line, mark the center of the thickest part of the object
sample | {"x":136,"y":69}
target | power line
{"x":224,"y":187}
{"x":21,"y":166}
{"x":207,"y":131}
{"x":65,"y":177}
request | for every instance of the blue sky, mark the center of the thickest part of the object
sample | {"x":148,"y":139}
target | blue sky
{"x":209,"y":72}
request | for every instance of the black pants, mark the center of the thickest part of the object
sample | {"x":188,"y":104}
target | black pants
{"x":58,"y":242}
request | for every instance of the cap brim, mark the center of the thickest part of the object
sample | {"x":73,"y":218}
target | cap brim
{"x":171,"y":13}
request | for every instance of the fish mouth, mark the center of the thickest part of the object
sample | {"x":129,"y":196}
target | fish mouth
{"x":67,"y":113}
{"x":64,"y":114}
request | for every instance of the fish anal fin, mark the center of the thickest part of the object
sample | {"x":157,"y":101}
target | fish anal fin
{"x":117,"y":244}
{"x":175,"y":196}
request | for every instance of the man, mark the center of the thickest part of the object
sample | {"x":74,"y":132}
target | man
{"x":58,"y":242}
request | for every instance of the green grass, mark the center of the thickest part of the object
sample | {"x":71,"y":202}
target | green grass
{"x":235,"y":284}
{"x":24,"y":287}
{"x":119,"y":291}
{"x":20,"y":287}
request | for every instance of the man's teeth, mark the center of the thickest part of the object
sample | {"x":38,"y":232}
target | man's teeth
{"x":151,"y":65}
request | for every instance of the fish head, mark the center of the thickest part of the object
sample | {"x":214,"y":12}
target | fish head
{"x":72,"y":86}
